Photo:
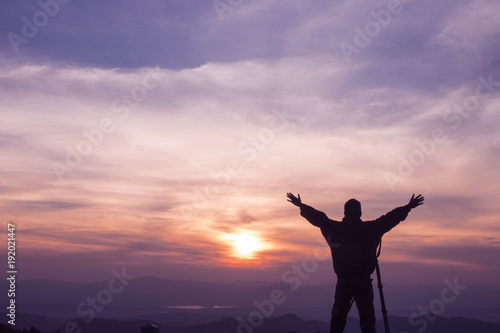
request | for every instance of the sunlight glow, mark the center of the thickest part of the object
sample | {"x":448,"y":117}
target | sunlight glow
{"x":245,"y":244}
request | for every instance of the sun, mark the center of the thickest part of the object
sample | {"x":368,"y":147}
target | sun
{"x":245,"y":244}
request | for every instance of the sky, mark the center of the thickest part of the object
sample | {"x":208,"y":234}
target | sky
{"x":162,"y":136}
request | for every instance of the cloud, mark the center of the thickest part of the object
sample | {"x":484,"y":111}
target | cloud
{"x":145,"y":131}
{"x":477,"y":36}
{"x":39,"y":206}
{"x":467,"y":254}
{"x":138,"y":35}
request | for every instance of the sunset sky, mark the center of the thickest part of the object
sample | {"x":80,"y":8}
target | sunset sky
{"x":152,"y":135}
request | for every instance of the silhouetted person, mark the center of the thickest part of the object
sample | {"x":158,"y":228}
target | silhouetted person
{"x":353,"y":244}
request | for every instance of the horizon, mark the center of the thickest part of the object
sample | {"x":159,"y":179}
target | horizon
{"x":162,"y":138}
{"x":306,"y":282}
{"x":143,"y":296}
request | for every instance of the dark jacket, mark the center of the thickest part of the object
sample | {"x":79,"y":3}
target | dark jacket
{"x":353,"y":243}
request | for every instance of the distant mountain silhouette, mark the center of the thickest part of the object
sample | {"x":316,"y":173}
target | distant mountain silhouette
{"x":442,"y":325}
{"x":150,"y":298}
{"x":11,"y":329}
{"x":109,"y":325}
{"x":25,"y":321}
{"x":285,"y":323}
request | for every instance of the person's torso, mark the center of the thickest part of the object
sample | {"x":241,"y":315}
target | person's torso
{"x":353,"y":246}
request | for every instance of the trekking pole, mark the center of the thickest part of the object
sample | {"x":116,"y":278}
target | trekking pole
{"x":382,"y":301}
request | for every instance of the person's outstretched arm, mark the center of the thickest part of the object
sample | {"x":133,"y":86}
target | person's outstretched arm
{"x":315,"y":217}
{"x":415,"y":202}
{"x":392,"y":219}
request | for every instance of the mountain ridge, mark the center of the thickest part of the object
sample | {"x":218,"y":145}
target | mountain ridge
{"x":284,"y":323}
{"x":157,"y":298}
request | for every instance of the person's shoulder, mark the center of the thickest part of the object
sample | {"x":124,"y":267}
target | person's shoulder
{"x":331,"y":224}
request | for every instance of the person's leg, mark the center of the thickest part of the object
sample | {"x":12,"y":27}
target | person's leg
{"x":363,"y":295}
{"x":341,"y":306}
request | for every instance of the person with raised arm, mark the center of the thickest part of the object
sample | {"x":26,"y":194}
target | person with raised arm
{"x":353,"y":244}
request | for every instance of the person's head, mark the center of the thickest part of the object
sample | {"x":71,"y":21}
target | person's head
{"x":352,"y":208}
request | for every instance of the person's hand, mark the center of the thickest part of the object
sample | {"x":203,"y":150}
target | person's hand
{"x":416,"y":201}
{"x":293,"y":199}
